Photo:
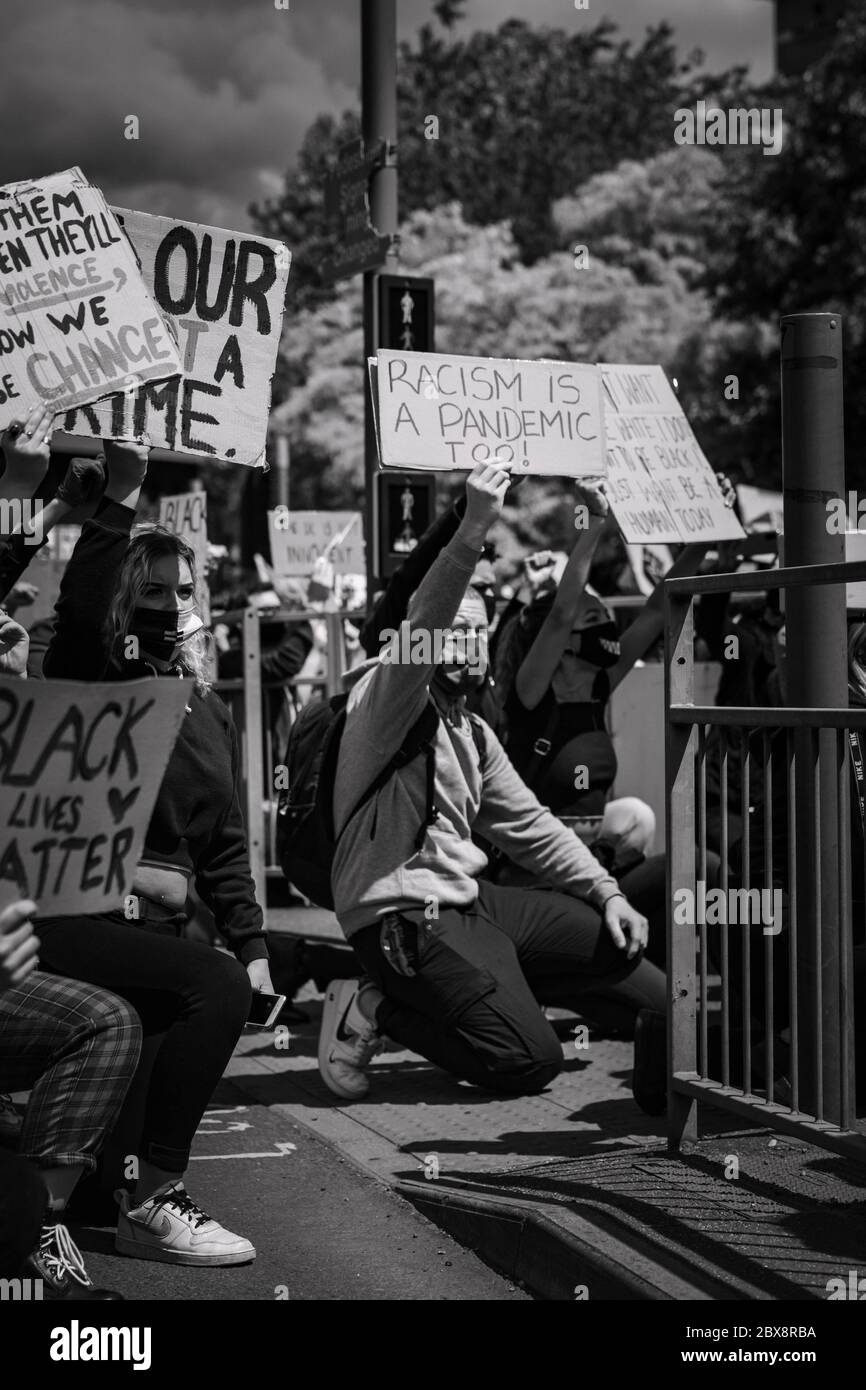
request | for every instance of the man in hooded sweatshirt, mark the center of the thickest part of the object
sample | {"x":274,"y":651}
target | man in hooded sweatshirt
{"x":457,"y":968}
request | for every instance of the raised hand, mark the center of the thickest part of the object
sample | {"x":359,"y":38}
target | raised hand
{"x":486,"y":487}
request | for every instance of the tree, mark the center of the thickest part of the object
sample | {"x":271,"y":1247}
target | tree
{"x":789,"y":238}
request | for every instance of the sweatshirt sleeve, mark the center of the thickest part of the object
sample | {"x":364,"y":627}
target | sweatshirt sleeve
{"x":78,"y":650}
{"x":393,"y":697}
{"x":512,"y":818}
{"x":390,"y":611}
{"x":16,"y":552}
{"x":224,"y":880}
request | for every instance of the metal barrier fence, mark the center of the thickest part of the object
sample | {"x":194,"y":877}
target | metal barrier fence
{"x":245,"y":697}
{"x":780,"y":1050}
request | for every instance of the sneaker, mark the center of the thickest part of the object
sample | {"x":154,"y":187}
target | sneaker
{"x":348,"y":1042}
{"x":57,"y":1262}
{"x":170,"y":1227}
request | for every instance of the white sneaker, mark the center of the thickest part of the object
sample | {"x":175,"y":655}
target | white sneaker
{"x":170,"y":1227}
{"x":348,"y":1042}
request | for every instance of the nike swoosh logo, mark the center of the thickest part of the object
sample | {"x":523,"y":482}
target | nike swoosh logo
{"x":342,"y":1035}
{"x":150,"y":1225}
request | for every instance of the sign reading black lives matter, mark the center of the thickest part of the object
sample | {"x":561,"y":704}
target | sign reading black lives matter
{"x":80,"y":768}
{"x":441,"y":412}
{"x":76,"y":320}
{"x":660,"y":484}
{"x":225,"y":293}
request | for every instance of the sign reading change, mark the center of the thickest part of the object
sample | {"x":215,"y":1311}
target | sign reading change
{"x":80,"y":768}
{"x":76,"y":320}
{"x":225,"y":293}
{"x":437,"y":412}
{"x":660,"y":484}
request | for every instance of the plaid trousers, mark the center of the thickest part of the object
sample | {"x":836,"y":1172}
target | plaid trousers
{"x":76,"y":1047}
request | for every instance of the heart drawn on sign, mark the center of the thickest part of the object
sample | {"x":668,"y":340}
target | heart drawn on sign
{"x":119,"y":804}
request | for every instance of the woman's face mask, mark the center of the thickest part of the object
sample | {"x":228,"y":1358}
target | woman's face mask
{"x":162,"y":632}
{"x":592,"y":646}
{"x":599,"y":645}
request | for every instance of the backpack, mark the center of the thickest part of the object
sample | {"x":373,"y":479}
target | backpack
{"x":305,"y":838}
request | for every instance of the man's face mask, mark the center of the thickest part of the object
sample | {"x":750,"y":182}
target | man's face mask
{"x":162,"y":632}
{"x":599,"y":645}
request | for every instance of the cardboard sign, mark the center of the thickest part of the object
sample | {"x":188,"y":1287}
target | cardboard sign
{"x":80,"y":769}
{"x":660,"y":484}
{"x":299,"y":538}
{"x":225,"y":293}
{"x":441,"y":412}
{"x":855,"y":549}
{"x":760,"y":508}
{"x":76,"y":320}
{"x":186,"y":516}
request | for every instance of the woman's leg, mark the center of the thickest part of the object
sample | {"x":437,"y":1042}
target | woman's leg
{"x":198,"y":997}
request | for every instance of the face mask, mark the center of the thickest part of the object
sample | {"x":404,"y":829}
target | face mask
{"x":160,"y":632}
{"x":599,"y":645}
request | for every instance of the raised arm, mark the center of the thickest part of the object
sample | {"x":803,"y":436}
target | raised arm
{"x":390,"y":609}
{"x":536,"y":671}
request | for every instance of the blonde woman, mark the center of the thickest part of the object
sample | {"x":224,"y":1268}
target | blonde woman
{"x":128,"y":609}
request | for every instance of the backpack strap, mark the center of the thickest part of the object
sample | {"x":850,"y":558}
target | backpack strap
{"x":420,"y":738}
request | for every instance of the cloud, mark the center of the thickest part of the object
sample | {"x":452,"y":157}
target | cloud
{"x":224,"y":90}
{"x":223,"y":98}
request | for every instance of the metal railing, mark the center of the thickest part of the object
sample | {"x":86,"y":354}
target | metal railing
{"x":778,"y":1044}
{"x":245,"y":697}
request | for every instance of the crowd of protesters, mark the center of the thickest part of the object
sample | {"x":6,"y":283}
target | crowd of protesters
{"x":482,"y":868}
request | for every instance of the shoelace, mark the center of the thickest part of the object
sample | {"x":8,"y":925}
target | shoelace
{"x":180,"y":1199}
{"x":61,"y":1255}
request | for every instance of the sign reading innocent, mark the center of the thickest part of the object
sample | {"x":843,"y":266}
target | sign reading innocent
{"x":80,"y":768}
{"x":76,"y":320}
{"x":225,"y":294}
{"x":441,"y":412}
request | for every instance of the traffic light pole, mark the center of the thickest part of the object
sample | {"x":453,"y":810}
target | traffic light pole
{"x":378,"y":122}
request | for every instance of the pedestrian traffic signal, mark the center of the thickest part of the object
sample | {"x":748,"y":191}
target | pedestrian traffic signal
{"x":406,"y":319}
{"x":406,"y":507}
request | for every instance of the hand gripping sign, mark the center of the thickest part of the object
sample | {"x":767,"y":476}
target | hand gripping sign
{"x":80,"y":768}
{"x":76,"y":319}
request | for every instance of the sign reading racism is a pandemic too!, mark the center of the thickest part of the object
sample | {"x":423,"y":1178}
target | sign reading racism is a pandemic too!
{"x":80,"y":768}
{"x":442,"y":412}
{"x":76,"y":320}
{"x":225,"y":294}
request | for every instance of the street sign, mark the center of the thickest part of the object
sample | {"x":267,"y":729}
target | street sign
{"x":347,"y":203}
{"x":406,"y":316}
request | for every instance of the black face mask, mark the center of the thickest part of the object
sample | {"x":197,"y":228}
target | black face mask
{"x":591,"y":648}
{"x":160,"y":631}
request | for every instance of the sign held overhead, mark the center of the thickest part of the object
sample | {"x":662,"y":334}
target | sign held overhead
{"x":76,"y":319}
{"x":225,"y":294}
{"x":660,"y":485}
{"x":437,"y":412}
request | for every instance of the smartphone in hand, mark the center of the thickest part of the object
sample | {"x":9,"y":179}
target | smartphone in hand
{"x":265,"y":1009}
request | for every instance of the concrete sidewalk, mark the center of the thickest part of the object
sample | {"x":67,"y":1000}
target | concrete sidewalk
{"x":572,"y":1193}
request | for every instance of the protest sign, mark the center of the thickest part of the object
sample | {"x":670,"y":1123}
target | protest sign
{"x":760,"y":508}
{"x":660,"y":485}
{"x":440,"y":412}
{"x":76,"y":320}
{"x":855,"y":549}
{"x":80,"y":768}
{"x":225,"y":293}
{"x":186,"y":516}
{"x":299,"y":538}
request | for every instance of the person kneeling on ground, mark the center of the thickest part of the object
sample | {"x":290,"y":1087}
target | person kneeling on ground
{"x":457,"y":968}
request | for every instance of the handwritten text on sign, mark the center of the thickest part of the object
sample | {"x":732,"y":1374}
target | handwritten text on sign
{"x":660,"y":484}
{"x":299,"y":538}
{"x":186,"y":515}
{"x":80,"y":768}
{"x":76,"y":320}
{"x":441,"y":412}
{"x":225,"y":293}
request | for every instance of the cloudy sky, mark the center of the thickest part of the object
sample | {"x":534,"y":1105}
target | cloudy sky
{"x":224,"y":89}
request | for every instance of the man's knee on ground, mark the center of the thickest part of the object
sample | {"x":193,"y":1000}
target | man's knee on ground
{"x":522,"y":1076}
